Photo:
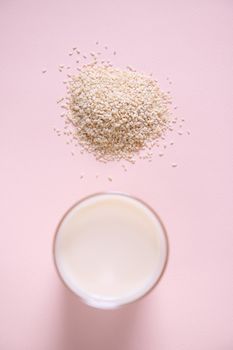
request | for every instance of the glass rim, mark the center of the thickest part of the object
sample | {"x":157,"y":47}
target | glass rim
{"x":164,"y":232}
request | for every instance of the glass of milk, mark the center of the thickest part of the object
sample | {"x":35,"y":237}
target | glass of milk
{"x":110,"y":249}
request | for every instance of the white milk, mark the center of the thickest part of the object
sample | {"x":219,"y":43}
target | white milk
{"x":110,"y":249}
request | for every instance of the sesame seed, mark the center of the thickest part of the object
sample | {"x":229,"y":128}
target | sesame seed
{"x":113,"y":113}
{"x":110,"y":179}
{"x":174,"y":165}
{"x":44,"y":71}
{"x":61,"y":99}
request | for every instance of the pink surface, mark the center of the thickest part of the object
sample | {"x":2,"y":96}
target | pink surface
{"x":188,"y":41}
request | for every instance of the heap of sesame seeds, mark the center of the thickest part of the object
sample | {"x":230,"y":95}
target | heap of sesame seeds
{"x":115,"y":113}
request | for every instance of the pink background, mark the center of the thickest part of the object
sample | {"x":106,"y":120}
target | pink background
{"x":191,"y":43}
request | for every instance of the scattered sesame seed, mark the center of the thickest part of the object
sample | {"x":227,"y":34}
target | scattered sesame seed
{"x":114,"y":53}
{"x":110,"y":179}
{"x":71,"y":54}
{"x":44,"y":71}
{"x":61,"y":99}
{"x":180,"y":133}
{"x":171,"y":143}
{"x":174,"y":165}
{"x":129,"y":68}
{"x":188,"y":132}
{"x":97,"y":43}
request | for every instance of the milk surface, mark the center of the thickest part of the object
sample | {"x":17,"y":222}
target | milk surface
{"x":110,"y":249}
